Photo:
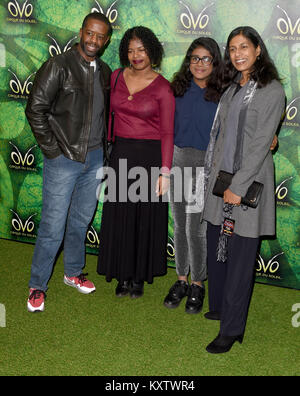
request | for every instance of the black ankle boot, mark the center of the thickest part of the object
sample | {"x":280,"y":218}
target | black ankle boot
{"x":222,"y":344}
{"x":136,"y":289}
{"x":122,"y":289}
{"x":195,"y":299}
{"x":177,"y":292}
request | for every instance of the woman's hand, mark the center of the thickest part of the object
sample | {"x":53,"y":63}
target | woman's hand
{"x":231,"y":198}
{"x":274,"y":143}
{"x":162,"y":185}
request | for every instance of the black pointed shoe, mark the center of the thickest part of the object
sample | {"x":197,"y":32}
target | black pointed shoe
{"x":177,"y":292}
{"x":194,"y":303}
{"x":122,"y":289}
{"x":213,"y":315}
{"x":223,"y":344}
{"x":136,"y":289}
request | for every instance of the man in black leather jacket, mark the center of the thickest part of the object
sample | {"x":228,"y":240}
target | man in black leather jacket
{"x":68,"y":111}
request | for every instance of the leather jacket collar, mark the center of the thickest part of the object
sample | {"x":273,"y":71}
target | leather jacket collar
{"x":81,"y":59}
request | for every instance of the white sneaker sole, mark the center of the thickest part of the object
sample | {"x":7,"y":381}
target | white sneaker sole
{"x":81,"y":289}
{"x":32,"y":309}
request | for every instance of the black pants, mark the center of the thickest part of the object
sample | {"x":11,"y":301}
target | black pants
{"x":230,"y":284}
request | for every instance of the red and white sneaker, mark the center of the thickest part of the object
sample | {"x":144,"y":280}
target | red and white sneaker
{"x":80,"y":282}
{"x":36,"y":300}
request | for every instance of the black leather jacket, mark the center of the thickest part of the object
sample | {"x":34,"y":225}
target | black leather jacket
{"x":59,"y":108}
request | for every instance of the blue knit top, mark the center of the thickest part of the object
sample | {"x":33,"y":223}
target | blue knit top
{"x":194,"y":117}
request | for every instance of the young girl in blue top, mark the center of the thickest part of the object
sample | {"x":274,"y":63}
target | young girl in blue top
{"x":197,"y":88}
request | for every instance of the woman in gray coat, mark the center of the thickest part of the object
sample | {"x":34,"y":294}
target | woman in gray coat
{"x":246,"y":121}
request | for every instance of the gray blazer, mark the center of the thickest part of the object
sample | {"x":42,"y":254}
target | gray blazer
{"x":262,"y":120}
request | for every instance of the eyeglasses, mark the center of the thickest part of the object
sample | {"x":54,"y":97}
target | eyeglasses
{"x":205,"y":60}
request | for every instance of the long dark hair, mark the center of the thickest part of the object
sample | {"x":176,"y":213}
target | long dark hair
{"x":264,"y":70}
{"x":182,"y":79}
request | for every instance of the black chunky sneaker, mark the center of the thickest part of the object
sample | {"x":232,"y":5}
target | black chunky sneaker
{"x":195,"y":299}
{"x":177,"y":292}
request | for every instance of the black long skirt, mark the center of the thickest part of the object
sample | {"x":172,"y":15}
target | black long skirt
{"x":134,"y":233}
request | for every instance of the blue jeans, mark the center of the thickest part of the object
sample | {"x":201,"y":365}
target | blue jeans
{"x":69,"y":203}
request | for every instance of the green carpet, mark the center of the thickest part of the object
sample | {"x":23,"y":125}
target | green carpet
{"x":100,"y":334}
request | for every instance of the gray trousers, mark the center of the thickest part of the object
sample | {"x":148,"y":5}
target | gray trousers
{"x":189,"y":233}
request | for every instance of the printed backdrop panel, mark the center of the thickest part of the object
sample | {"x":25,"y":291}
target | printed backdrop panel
{"x":33,"y":30}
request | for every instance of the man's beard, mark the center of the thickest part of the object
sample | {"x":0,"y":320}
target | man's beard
{"x":88,"y":53}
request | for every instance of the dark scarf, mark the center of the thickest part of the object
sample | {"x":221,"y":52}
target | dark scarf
{"x":227,"y":208}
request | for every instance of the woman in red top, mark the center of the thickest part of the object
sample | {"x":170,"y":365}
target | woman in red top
{"x":134,"y":227}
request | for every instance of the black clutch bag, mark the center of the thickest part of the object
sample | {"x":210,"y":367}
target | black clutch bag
{"x":252,"y":196}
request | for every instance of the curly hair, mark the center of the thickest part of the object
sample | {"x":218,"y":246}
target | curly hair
{"x":264,"y":70}
{"x":152,"y":45}
{"x":182,"y":79}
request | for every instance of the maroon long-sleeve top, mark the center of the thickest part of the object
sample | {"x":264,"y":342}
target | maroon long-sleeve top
{"x":148,"y":114}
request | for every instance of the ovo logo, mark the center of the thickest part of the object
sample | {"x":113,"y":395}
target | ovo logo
{"x":17,"y":11}
{"x":55,"y":49}
{"x":292,"y":110}
{"x":22,"y":160}
{"x":19,"y":226}
{"x":285,"y":25}
{"x":272,"y":266}
{"x":188,"y":20}
{"x":170,"y":248}
{"x":281,"y":190}
{"x":111,"y":13}
{"x":92,"y":236}
{"x":17,"y":87}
